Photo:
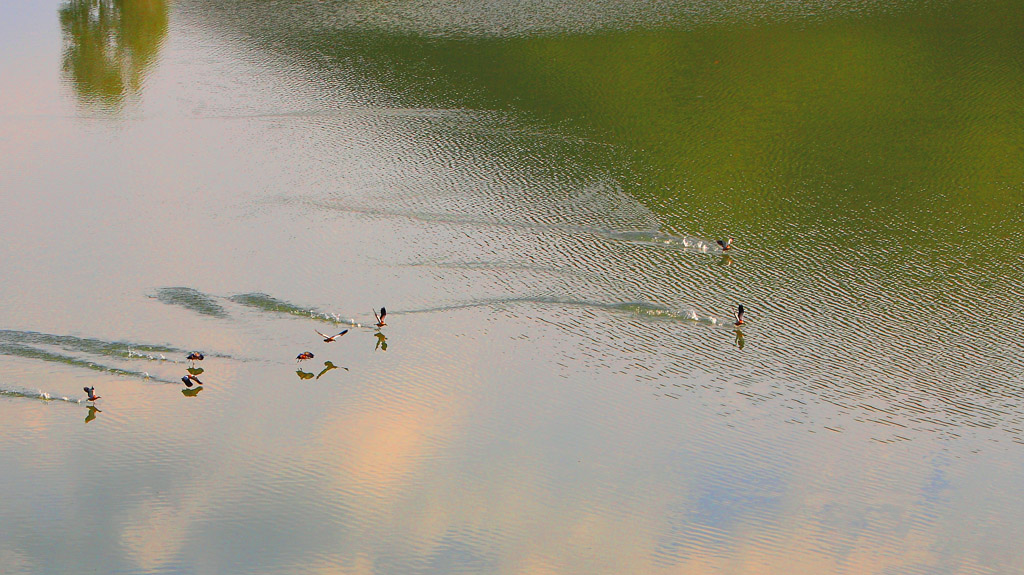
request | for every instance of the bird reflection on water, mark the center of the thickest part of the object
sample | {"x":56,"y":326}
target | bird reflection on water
{"x":382,"y":342}
{"x":328,"y":366}
{"x":195,"y":370}
{"x":93,"y":410}
{"x":739,"y":341}
{"x":192,"y":392}
{"x":303,"y":374}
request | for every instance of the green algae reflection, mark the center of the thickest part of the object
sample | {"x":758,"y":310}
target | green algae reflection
{"x":109,"y":46}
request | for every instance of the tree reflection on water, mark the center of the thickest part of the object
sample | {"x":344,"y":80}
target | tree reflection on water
{"x":109,"y":45}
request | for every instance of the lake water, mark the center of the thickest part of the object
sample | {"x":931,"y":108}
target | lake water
{"x":533,"y":190}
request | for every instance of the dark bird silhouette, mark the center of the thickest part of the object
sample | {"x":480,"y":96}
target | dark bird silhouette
{"x":304,"y":356}
{"x":92,"y":393}
{"x":195,"y":356}
{"x":330,"y":338}
{"x":188,"y":379}
{"x":382,"y":342}
{"x":380,"y":318}
{"x":739,"y":315}
{"x":725,"y":244}
{"x":303,"y":374}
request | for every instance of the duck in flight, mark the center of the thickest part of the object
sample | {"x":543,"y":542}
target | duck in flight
{"x":380,"y":318}
{"x":304,"y":356}
{"x":739,"y":315}
{"x":188,"y":379}
{"x":92,"y":393}
{"x":330,"y":338}
{"x":195,"y":356}
{"x":726,"y":244}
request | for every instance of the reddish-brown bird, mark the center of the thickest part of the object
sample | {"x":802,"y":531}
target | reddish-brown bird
{"x":380,"y":318}
{"x":188,"y":379}
{"x":92,"y":393}
{"x":304,"y":355}
{"x":195,"y":356}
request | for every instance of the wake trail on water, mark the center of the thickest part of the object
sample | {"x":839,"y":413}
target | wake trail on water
{"x":639,"y":309}
{"x":85,"y":353}
{"x":652,"y":237}
{"x":38,"y":395}
{"x":262,"y":302}
{"x":663,"y":240}
{"x":268,"y":303}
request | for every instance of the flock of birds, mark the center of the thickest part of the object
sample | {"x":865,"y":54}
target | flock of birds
{"x":192,"y":377}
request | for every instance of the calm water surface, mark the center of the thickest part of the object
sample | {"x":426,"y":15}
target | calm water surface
{"x":533,"y":189}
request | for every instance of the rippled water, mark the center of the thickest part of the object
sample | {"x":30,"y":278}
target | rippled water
{"x":534,"y":191}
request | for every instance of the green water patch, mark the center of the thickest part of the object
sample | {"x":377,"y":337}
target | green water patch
{"x":109,"y":48}
{"x":193,"y":300}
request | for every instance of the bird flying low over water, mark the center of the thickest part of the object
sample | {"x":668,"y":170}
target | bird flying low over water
{"x":739,"y":315}
{"x":188,"y":379}
{"x":330,"y":338}
{"x":195,"y":356}
{"x":92,"y":393}
{"x":304,"y":355}
{"x":726,"y":244}
{"x":380,"y":318}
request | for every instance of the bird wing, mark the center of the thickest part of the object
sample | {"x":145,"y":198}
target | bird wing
{"x":720,"y":242}
{"x":323,"y":335}
{"x":88,"y":390}
{"x":342,"y":333}
{"x":383,"y":312}
{"x":375,"y":316}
